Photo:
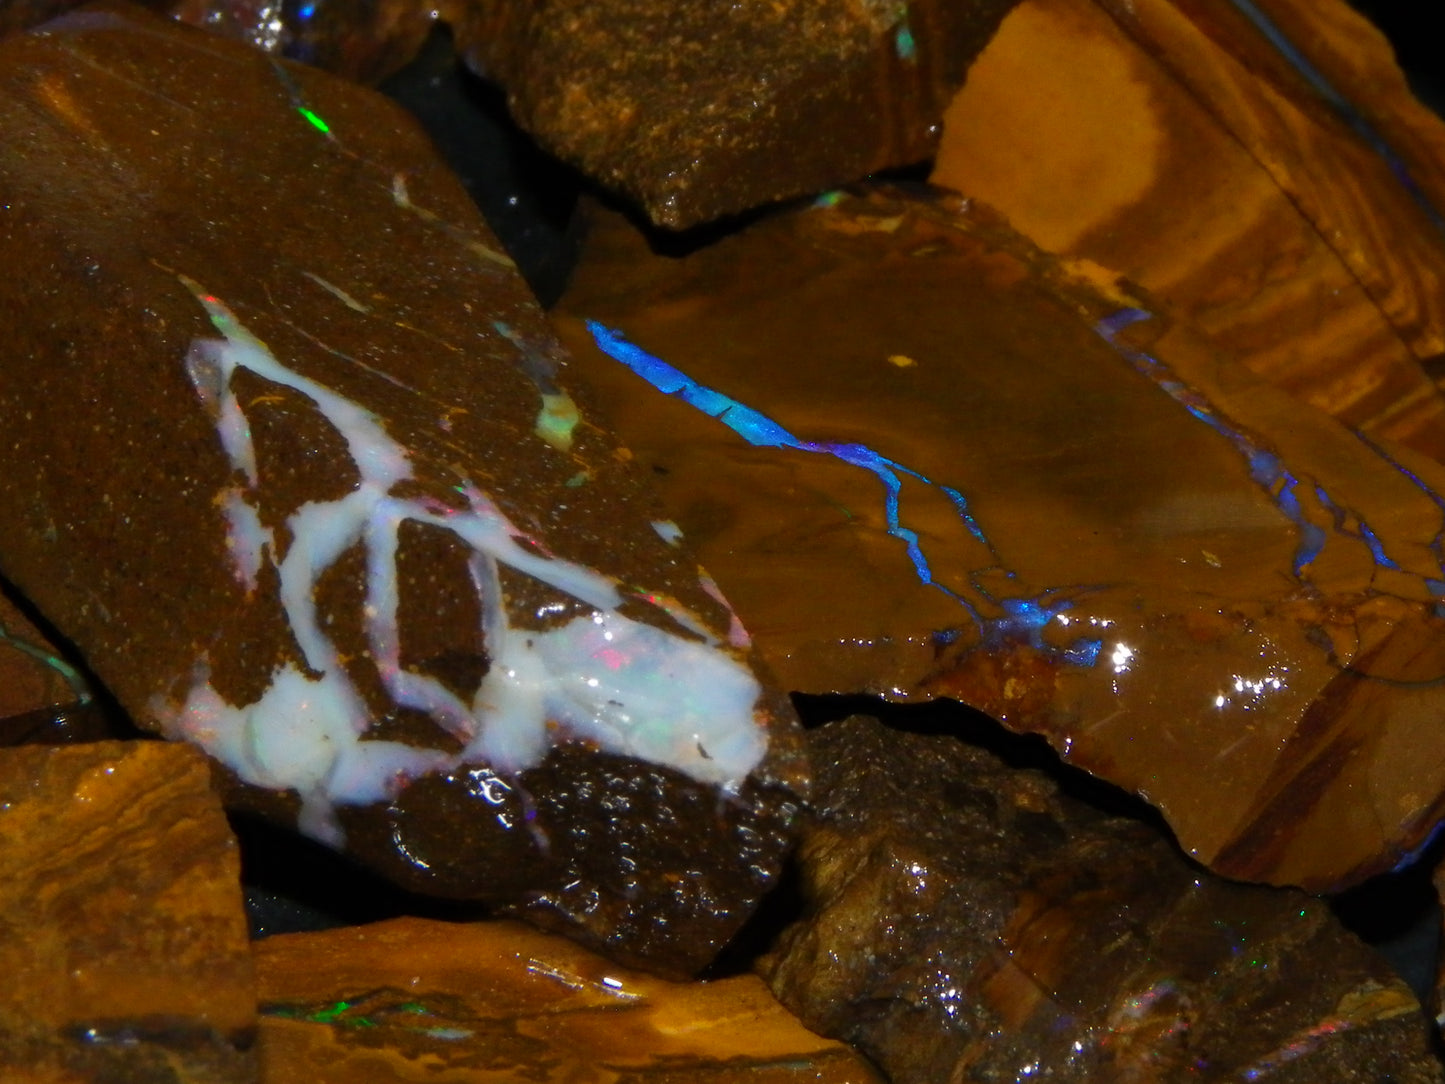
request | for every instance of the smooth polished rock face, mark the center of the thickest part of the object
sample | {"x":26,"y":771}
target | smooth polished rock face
{"x":122,"y":936}
{"x":967,"y":921}
{"x":410,"y":999}
{"x":293,"y":461}
{"x":924,"y":460}
{"x":1283,"y":192}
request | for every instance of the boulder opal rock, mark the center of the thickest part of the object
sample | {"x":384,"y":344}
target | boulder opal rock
{"x":967,"y":921}
{"x":35,"y":681}
{"x":692,"y":109}
{"x":290,"y":457}
{"x":412,"y":1000}
{"x":697,"y":109}
{"x":360,"y":39}
{"x":924,"y":459}
{"x":122,"y":936}
{"x":1261,"y":167}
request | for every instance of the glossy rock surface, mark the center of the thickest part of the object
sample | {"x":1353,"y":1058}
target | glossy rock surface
{"x":967,"y":921}
{"x":293,"y":463}
{"x":923,"y":460}
{"x":412,"y":1000}
{"x":122,"y":937}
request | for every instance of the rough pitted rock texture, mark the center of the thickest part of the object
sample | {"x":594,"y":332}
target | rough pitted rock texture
{"x":966,"y":921}
{"x":698,"y":109}
{"x":692,"y":109}
{"x":122,"y":937}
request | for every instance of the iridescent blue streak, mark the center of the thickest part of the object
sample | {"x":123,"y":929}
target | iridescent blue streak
{"x":1340,"y":104}
{"x":1437,"y":544}
{"x":1266,"y":469}
{"x":761,"y":431}
{"x":1410,"y":857}
{"x":1022,"y":618}
{"x":1365,"y":534}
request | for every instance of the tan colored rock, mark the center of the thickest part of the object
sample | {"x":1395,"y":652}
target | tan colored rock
{"x":122,"y":936}
{"x":417,"y":1000}
{"x":924,"y":459}
{"x":1292,"y":211}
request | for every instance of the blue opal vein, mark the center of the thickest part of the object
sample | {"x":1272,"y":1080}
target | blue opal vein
{"x":1016,"y":618}
{"x":1436,"y":586}
{"x":1269,"y":471}
{"x":1342,"y":106}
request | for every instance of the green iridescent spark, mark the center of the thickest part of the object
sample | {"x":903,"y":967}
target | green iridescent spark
{"x":326,"y":1016}
{"x":316,"y":122}
{"x":903,"y":43}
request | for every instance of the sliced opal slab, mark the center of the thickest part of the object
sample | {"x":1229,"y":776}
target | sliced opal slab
{"x":924,"y":460}
{"x":290,"y":456}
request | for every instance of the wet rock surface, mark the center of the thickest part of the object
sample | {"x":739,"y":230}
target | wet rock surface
{"x":397,"y":548}
{"x":122,"y":937}
{"x":409,"y":999}
{"x":924,"y":459}
{"x":966,"y":921}
{"x":366,"y":1022}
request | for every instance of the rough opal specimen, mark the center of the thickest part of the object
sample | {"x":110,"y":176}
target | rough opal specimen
{"x":290,"y":457}
{"x":1264,"y":169}
{"x":692,"y":109}
{"x":122,"y":931}
{"x":968,"y":921}
{"x":414,"y":1001}
{"x":924,"y":459}
{"x":695,"y":109}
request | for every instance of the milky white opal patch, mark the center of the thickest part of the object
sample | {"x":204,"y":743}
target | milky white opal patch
{"x":628,"y":687}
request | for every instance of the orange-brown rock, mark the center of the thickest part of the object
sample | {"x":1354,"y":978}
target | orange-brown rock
{"x":964,"y":921}
{"x":360,"y":39}
{"x":1290,"y":205}
{"x":414,"y":1000}
{"x":692,"y":109}
{"x":983,"y":473}
{"x":697,"y":110}
{"x":291,"y":458}
{"x":122,"y":936}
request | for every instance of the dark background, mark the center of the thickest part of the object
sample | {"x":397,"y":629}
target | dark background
{"x":1413,"y":28}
